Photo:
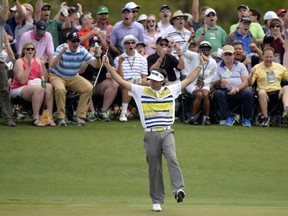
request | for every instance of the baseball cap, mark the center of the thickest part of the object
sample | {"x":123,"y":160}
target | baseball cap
{"x":270,"y":15}
{"x":205,"y":44}
{"x":280,"y":11}
{"x":243,"y":6}
{"x":41,"y":26}
{"x":23,"y":8}
{"x":245,"y":19}
{"x":102,"y":9}
{"x":164,"y":7}
{"x":129,"y":38}
{"x":162,"y":38}
{"x":155,"y":75}
{"x":132,"y":5}
{"x":28,"y":6}
{"x":208,"y":11}
{"x":44,"y":4}
{"x":72,"y":10}
{"x":228,"y":49}
{"x":73,"y":36}
{"x":126,"y":9}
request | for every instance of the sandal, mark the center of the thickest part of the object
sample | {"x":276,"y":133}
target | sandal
{"x":38,"y":123}
{"x":51,"y":123}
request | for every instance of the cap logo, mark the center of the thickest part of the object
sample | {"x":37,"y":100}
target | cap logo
{"x":156,"y":73}
{"x":75,"y":34}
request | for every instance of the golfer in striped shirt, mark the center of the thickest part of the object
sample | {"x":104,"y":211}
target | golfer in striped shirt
{"x":156,"y":106}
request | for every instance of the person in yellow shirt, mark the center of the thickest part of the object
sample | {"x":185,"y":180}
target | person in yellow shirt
{"x":268,"y":76}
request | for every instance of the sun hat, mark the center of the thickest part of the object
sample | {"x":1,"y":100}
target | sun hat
{"x":128,"y":38}
{"x":178,"y":13}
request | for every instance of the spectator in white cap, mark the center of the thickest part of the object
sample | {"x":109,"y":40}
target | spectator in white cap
{"x":132,"y":67}
{"x":165,"y":16}
{"x":135,"y":9}
{"x":213,"y":33}
{"x":200,"y":87}
{"x":142,"y":19}
{"x":269,"y":15}
{"x":255,"y":28}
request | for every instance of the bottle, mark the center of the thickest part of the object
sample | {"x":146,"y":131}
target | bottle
{"x":43,"y":82}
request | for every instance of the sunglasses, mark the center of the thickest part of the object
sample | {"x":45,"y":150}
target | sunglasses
{"x":29,"y":49}
{"x":205,"y":49}
{"x":179,"y":18}
{"x":227,"y":54}
{"x":75,"y":41}
{"x":151,"y":21}
{"x":275,"y":26}
{"x":134,"y":11}
{"x":103,"y":14}
{"x":163,"y":44}
{"x":131,"y":42}
{"x":46,"y":9}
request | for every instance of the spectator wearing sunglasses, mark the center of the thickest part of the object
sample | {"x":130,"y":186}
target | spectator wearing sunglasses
{"x":275,"y":39}
{"x":162,"y":59}
{"x":151,"y":34}
{"x":231,"y":82}
{"x":132,"y":67}
{"x":65,"y":76}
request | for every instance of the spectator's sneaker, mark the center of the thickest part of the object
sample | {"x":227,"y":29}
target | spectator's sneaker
{"x":193,"y":119}
{"x":265,"y":122}
{"x":285,"y":113}
{"x":61,"y":122}
{"x":222,"y":122}
{"x":156,"y":207}
{"x":104,"y":116}
{"x":10,"y":122}
{"x":206,"y":121}
{"x":180,"y":196}
{"x":246,"y":122}
{"x":79,"y":121}
{"x":123,"y":117}
{"x":230,"y":121}
{"x":90,"y":116}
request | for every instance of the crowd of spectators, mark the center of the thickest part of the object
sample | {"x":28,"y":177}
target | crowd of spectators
{"x":247,"y":67}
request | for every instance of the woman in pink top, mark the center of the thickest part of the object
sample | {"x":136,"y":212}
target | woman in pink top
{"x":26,"y":83}
{"x":151,"y":34}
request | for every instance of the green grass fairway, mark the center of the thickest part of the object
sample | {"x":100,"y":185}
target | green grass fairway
{"x":100,"y":169}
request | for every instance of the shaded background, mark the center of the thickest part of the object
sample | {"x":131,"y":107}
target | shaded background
{"x":226,"y":9}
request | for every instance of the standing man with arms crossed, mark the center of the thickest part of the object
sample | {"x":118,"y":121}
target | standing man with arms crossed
{"x":4,"y":88}
{"x":156,"y":105}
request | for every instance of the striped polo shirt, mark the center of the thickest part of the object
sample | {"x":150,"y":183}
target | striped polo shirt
{"x":70,"y":62}
{"x":156,"y":108}
{"x":133,"y":66}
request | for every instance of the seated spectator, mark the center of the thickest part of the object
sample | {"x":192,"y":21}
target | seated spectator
{"x":242,"y":34}
{"x":64,"y":76}
{"x":231,"y":82}
{"x":248,"y":60}
{"x":26,"y":83}
{"x":151,"y":34}
{"x":200,"y":87}
{"x":105,"y":86}
{"x":275,"y":39}
{"x":132,"y":67}
{"x":41,"y":39}
{"x":268,"y":76}
{"x":162,"y":59}
{"x":141,"y":49}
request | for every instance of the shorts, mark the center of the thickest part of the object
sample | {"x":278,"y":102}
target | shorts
{"x":16,"y":92}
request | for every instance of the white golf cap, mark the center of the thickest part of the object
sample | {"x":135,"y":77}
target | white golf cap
{"x":155,"y":75}
{"x":132,"y":5}
{"x":142,"y":17}
{"x":270,"y":15}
